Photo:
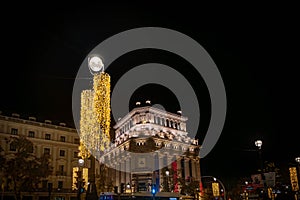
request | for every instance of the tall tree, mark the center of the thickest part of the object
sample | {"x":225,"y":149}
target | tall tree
{"x":22,"y":168}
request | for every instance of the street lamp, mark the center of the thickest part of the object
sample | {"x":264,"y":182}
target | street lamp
{"x":167,"y":181}
{"x":80,"y":162}
{"x":128,"y":188}
{"x":95,"y":64}
{"x":167,"y":172}
{"x":79,"y":182}
{"x":258,"y":144}
{"x":298,"y":161}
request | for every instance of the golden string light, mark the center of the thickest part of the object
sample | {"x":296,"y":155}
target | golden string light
{"x":102,"y":107}
{"x":95,"y":117}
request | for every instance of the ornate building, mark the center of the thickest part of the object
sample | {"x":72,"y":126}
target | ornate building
{"x":152,"y":146}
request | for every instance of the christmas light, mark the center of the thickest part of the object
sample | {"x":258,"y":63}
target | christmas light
{"x":102,"y":107}
{"x":95,"y":117}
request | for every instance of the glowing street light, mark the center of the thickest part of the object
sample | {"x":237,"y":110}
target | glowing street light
{"x":167,"y":181}
{"x":80,"y":162}
{"x":258,"y":143}
{"x":167,"y":172}
{"x":297,"y":160}
{"x":79,"y":183}
{"x":95,"y":64}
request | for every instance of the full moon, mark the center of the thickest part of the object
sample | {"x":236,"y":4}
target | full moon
{"x":95,"y":64}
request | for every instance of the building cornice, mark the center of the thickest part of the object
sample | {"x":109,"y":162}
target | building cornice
{"x":38,"y":124}
{"x":149,"y":109}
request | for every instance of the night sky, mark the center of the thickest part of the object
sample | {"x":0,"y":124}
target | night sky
{"x":44,"y":48}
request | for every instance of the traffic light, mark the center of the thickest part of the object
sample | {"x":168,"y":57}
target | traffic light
{"x":153,"y":189}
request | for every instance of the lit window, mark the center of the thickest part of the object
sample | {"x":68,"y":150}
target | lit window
{"x":47,"y":136}
{"x":62,"y":152}
{"x":62,"y":138}
{"x":14,"y":131}
{"x":31,"y":134}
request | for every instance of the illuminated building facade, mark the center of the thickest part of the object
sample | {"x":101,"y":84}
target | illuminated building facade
{"x":148,"y":143}
{"x":59,"y":141}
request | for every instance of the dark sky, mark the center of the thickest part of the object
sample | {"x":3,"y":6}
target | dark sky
{"x":44,"y":48}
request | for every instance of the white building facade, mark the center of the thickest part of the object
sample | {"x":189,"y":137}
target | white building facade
{"x":151,"y":147}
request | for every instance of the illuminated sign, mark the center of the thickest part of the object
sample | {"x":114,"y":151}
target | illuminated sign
{"x":294,"y":179}
{"x":215,"y":189}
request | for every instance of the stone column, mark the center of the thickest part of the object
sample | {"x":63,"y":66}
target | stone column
{"x":122,"y":168}
{"x":186,"y":168}
{"x":117,"y":174}
{"x":198,"y":168}
{"x":194,"y":171}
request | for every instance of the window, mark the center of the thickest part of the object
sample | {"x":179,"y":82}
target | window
{"x":62,"y":152}
{"x":75,"y":154}
{"x":44,"y":184}
{"x":47,"y":136}
{"x":76,"y":141}
{"x":50,"y":186}
{"x":47,"y":151}
{"x":14,"y":131}
{"x":60,"y":184}
{"x":60,"y":171}
{"x":62,"y":138}
{"x":12,"y":146}
{"x":31,"y":134}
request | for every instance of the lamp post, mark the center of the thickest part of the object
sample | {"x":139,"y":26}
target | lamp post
{"x":167,"y":181}
{"x":197,"y":193}
{"x":258,"y":144}
{"x":79,"y":182}
{"x":298,"y":161}
{"x":128,"y":188}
